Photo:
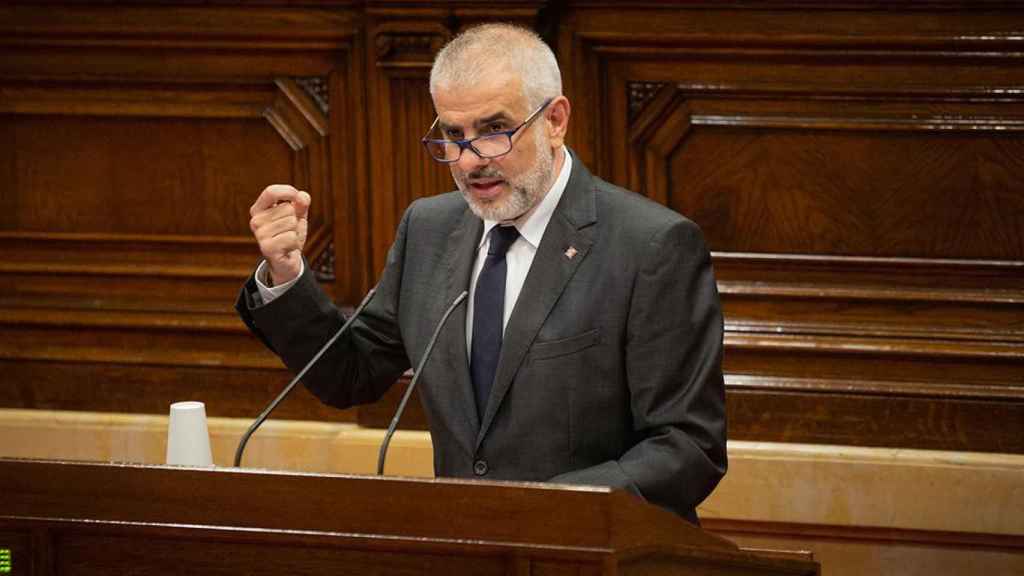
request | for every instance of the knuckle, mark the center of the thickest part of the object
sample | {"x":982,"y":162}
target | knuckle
{"x":282,"y":191}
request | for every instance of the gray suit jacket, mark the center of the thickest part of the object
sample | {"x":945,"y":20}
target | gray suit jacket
{"x":610,"y":370}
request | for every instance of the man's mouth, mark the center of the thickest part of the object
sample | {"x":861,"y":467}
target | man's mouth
{"x":486,"y":188}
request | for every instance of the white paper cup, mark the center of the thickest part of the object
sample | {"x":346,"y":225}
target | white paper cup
{"x":188,"y":440}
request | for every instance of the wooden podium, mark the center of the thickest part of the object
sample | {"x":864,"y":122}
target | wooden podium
{"x":75,"y":518}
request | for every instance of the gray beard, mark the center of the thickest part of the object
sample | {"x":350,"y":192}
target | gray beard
{"x":527,"y":190}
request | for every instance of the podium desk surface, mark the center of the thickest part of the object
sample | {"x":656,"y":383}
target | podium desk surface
{"x":443,"y":516}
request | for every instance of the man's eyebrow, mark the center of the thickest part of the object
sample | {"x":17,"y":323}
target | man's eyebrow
{"x":478,"y":122}
{"x":492,"y":118}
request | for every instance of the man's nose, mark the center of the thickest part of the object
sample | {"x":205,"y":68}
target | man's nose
{"x":470,"y":161}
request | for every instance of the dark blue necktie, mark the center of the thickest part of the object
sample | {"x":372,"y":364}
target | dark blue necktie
{"x":489,"y":314}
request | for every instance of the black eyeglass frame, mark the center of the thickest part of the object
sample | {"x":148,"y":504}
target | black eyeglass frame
{"x":468,"y":143}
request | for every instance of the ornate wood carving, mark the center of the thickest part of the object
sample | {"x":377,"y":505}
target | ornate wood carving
{"x":639,"y":94}
{"x":317,"y":88}
{"x":404,"y":50}
{"x":323,"y":266}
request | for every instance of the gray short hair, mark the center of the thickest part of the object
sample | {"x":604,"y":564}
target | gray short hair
{"x":475,"y":53}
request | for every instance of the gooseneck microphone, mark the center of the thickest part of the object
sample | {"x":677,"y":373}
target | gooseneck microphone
{"x":415,"y":378}
{"x":287,"y":389}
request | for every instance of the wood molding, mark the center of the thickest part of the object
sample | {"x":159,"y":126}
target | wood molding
{"x":929,"y":331}
{"x":837,"y":411}
{"x":730,"y":528}
{"x":291,"y":112}
{"x":399,"y":54}
{"x":129,"y":306}
{"x":127,"y":43}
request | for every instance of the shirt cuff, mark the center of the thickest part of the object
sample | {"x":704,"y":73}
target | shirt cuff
{"x":269,"y":293}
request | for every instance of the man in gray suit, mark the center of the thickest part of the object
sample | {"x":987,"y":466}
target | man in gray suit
{"x":590,"y":348}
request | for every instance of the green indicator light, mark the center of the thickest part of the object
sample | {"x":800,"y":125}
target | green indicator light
{"x":5,"y":560}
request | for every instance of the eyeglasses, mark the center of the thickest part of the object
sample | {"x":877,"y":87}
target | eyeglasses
{"x":485,"y":146}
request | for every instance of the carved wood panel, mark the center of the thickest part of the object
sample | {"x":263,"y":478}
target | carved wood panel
{"x":129,"y":169}
{"x":192,"y":170}
{"x":154,"y":177}
{"x":857,"y":177}
{"x":886,"y":181}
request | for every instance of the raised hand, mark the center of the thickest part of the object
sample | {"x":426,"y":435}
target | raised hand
{"x":279,"y":221}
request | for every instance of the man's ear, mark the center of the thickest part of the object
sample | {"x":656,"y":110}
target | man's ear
{"x":557,"y":120}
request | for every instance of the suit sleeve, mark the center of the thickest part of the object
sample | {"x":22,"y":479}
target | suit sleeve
{"x":673,"y":361}
{"x":364,"y":362}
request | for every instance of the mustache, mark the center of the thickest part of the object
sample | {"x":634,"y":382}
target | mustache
{"x":488,"y":172}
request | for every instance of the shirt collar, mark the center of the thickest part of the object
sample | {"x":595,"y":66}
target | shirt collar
{"x":532,"y":224}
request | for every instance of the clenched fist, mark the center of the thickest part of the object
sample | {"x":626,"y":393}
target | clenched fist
{"x":280,"y":219}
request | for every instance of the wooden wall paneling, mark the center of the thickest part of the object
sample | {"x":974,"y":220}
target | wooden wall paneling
{"x":351,"y":187}
{"x":148,"y":386}
{"x":855,"y":171}
{"x":928,"y":194}
{"x":784,"y":409}
{"x":888,"y":418}
{"x":856,"y":176}
{"x":132,"y":166}
{"x":133,"y":41}
{"x":399,"y":54}
{"x":582,"y":79}
{"x":301,"y":121}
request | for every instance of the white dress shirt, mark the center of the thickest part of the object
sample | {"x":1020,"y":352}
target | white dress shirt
{"x":518,"y":260}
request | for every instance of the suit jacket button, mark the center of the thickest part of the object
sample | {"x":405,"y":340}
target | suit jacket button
{"x":480,"y":467}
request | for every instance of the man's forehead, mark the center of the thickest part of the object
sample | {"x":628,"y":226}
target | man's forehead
{"x":500,"y":97}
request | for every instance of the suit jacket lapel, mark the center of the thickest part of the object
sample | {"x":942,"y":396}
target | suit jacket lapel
{"x":462,"y":244}
{"x":552,"y":268}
